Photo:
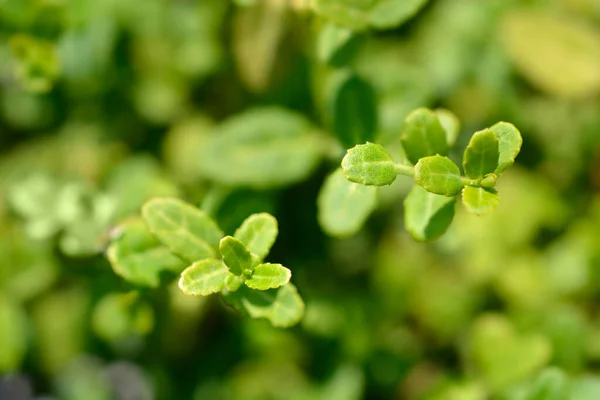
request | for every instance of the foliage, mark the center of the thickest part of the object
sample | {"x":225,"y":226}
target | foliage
{"x":168,"y":168}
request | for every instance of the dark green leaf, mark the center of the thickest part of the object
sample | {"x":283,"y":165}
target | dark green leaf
{"x":423,"y":135}
{"x":352,"y":109}
{"x":426,"y":215}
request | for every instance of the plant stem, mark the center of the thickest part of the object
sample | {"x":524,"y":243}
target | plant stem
{"x":406,"y":170}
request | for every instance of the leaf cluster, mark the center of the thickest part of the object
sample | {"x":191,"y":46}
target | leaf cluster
{"x":174,"y":236}
{"x":426,"y":138}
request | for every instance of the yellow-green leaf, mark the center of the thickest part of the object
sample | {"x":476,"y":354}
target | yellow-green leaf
{"x":204,"y":277}
{"x":236,"y":256}
{"x":184,"y":229}
{"x":480,"y":200}
{"x":258,"y":232}
{"x":481,"y":155}
{"x":268,"y":276}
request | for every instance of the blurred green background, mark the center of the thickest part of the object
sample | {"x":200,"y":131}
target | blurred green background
{"x":107,"y":103}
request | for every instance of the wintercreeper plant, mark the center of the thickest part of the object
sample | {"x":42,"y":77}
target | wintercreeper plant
{"x":426,"y":139}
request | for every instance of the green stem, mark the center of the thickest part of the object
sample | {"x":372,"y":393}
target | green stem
{"x":406,"y":170}
{"x":487,"y":182}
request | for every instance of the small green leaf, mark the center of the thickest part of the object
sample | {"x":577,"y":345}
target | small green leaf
{"x":233,"y":283}
{"x":426,"y":215}
{"x":481,"y":155}
{"x":480,"y":200}
{"x":352,"y":109}
{"x":122,"y":315}
{"x":359,"y":15}
{"x":502,"y":355}
{"x":185,"y":230}
{"x":235,"y":255}
{"x":268,"y":276}
{"x":450,"y":123}
{"x":343,"y":206}
{"x":551,"y":384}
{"x":283,"y":306}
{"x":439,"y":175}
{"x":331,"y":42}
{"x":369,"y":164}
{"x":389,"y":14}
{"x":13,"y":331}
{"x":423,"y":135}
{"x":261,"y":148}
{"x":203,"y":277}
{"x":139,"y":258}
{"x":258,"y":233}
{"x":509,"y":144}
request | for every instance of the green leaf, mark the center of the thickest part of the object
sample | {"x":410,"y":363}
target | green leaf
{"x":481,"y":155}
{"x":439,"y":175}
{"x":480,"y":200}
{"x":204,"y":277}
{"x":137,"y":180}
{"x":122,"y":315}
{"x":258,"y":233}
{"x":423,"y":135}
{"x":332,"y":41}
{"x":261,"y":148}
{"x":502,"y":355}
{"x":13,"y":331}
{"x":369,"y":164}
{"x":236,"y":256}
{"x":233,"y":283}
{"x":343,"y":206}
{"x":283,"y":306}
{"x":426,"y":215}
{"x":185,"y":230}
{"x":361,"y":14}
{"x":450,"y":123}
{"x":509,"y":144}
{"x":551,"y":384}
{"x":268,"y":276}
{"x":544,"y":46}
{"x":139,"y":258}
{"x":36,"y":65}
{"x":352,"y":109}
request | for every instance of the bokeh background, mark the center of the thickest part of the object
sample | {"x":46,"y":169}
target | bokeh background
{"x":107,"y":103}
